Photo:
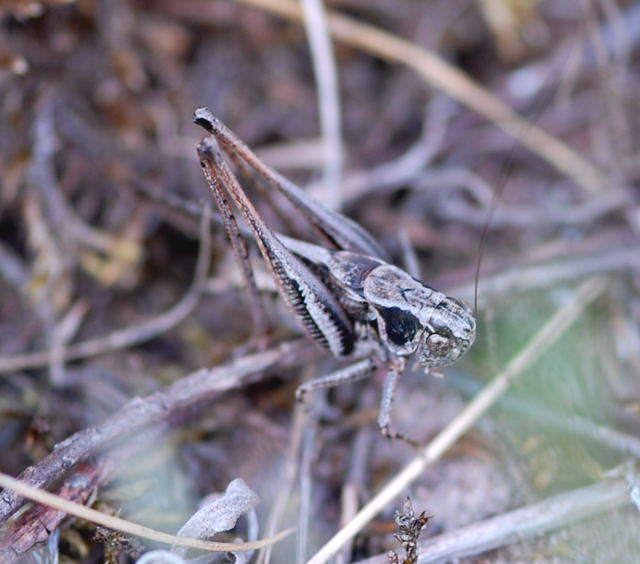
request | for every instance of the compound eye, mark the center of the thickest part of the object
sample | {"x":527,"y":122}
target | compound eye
{"x":438,"y":345}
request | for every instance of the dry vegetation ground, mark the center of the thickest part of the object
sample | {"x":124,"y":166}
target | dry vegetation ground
{"x":129,"y":379}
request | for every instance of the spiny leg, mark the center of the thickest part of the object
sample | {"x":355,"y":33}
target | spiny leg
{"x":386,"y":405}
{"x":358,"y":371}
{"x":311,"y":302}
{"x":352,"y":373}
{"x":264,"y":191}
{"x":342,"y":231}
{"x":241,"y":253}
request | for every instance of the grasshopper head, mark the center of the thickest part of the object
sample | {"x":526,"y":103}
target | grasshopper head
{"x":449,"y":334}
{"x":413,"y":318}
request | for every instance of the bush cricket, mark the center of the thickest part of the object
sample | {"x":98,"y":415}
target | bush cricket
{"x":347,"y":298}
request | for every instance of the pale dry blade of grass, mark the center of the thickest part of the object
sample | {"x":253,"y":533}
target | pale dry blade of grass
{"x":324,"y":67}
{"x":457,"y":84}
{"x":118,"y":524}
{"x":547,"y":335}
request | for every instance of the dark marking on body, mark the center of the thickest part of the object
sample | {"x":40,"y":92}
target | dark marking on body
{"x":400,"y":325}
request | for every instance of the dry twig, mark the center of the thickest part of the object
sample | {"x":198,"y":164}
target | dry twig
{"x":205,"y":384}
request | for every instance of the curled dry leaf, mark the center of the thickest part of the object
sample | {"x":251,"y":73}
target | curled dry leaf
{"x":219,"y":515}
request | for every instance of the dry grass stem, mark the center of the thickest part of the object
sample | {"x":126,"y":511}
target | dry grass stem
{"x":324,"y":67}
{"x":286,"y":485}
{"x":118,"y":524}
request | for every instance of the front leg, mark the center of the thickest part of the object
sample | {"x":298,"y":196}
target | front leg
{"x":396,"y":367}
{"x":352,"y":373}
{"x":358,"y":371}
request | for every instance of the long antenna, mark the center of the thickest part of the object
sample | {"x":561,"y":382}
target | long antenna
{"x":505,"y":172}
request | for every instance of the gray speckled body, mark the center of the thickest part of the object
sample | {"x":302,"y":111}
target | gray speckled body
{"x":410,"y":317}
